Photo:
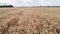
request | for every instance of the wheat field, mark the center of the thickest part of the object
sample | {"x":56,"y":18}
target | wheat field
{"x":38,"y":20}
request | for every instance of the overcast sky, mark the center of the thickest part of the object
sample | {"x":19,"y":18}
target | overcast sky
{"x":30,"y":2}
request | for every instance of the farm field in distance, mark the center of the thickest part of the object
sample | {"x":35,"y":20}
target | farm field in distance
{"x":34,"y":20}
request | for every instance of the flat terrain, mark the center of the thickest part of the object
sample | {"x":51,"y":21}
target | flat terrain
{"x":42,"y":20}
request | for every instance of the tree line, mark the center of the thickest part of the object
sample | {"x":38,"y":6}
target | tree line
{"x":1,"y":6}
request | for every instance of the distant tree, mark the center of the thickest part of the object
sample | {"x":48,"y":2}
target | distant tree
{"x":10,"y":6}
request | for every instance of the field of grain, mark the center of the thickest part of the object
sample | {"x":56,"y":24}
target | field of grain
{"x":42,"y":20}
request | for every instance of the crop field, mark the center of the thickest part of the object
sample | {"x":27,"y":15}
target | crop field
{"x":38,"y":20}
